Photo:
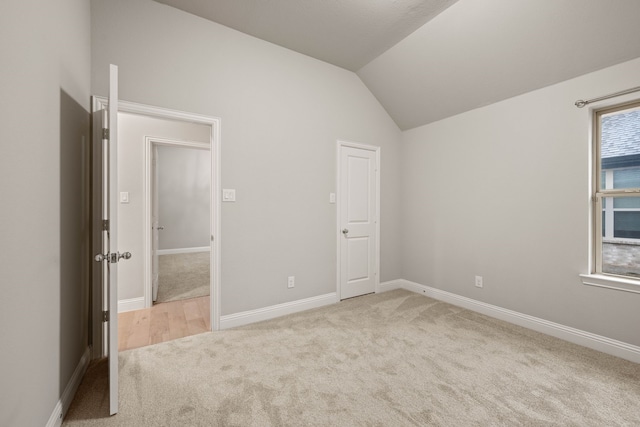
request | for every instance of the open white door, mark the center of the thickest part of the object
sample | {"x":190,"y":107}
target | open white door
{"x":112,"y":238}
{"x":358,"y":220}
{"x":110,"y":255}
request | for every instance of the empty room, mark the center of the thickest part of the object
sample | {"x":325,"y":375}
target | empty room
{"x":284,"y":212}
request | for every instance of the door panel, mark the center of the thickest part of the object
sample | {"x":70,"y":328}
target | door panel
{"x":358,"y":256}
{"x":358,"y":189}
{"x":358,"y":222}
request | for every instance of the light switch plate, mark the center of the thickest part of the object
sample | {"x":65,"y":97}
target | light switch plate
{"x":124,"y":197}
{"x":228,"y":195}
{"x":332,"y":197}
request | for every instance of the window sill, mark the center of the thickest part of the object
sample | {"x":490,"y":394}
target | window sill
{"x":611,"y":282}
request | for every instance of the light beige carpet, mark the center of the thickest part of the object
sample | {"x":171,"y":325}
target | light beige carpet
{"x":183,"y":276}
{"x":391,"y":359}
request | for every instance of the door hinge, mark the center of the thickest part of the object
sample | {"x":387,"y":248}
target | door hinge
{"x":105,"y":133}
{"x":105,"y":315}
{"x":105,"y":225}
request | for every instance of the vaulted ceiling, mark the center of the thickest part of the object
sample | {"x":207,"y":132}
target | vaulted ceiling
{"x":429,"y":59}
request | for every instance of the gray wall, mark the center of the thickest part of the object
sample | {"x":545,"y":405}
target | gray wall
{"x":44,"y":214}
{"x":502,"y":192}
{"x":282,"y":113}
{"x":184,"y":197}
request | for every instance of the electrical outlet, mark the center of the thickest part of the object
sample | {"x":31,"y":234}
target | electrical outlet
{"x":291,"y":281}
{"x":478,"y":281}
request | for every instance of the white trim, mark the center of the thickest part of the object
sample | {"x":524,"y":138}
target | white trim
{"x":62,"y":406}
{"x":171,"y":142}
{"x":150,"y":110}
{"x":215,"y":123}
{"x":271,"y":312}
{"x":216,"y":221}
{"x":586,"y":339}
{"x":611,"y":282}
{"x":148,"y":234}
{"x":390,"y":286}
{"x":377,"y":150}
{"x":131,"y":304}
{"x":183,"y":250}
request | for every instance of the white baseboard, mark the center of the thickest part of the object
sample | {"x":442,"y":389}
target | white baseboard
{"x":271,"y":312}
{"x":586,"y":339}
{"x":59,"y":411}
{"x":130,"y":304}
{"x":183,"y":250}
{"x":390,"y":285}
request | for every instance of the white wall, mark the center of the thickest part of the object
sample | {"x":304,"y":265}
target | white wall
{"x":184,"y":197}
{"x":282,"y":113}
{"x":44,"y":213}
{"x":502,"y":192}
{"x":132,"y":130}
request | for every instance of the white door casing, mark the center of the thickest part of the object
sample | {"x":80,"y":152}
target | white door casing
{"x":151,"y":196}
{"x":154,"y":223}
{"x":358,"y":224}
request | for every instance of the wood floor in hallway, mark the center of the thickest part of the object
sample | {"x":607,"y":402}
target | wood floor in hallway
{"x":163,"y":322}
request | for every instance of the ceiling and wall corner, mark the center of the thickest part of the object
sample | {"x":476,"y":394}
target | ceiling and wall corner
{"x":479,"y":52}
{"x":349,"y":34}
{"x":428,"y":60}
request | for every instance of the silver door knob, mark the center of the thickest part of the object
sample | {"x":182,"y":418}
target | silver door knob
{"x":101,"y":257}
{"x":125,"y":255}
{"x":345,"y":231}
{"x":160,"y":227}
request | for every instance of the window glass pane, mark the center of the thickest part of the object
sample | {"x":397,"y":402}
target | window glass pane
{"x":621,"y":259}
{"x":626,"y":224}
{"x":621,"y":255}
{"x":626,"y":203}
{"x":603,"y":180}
{"x":626,"y":178}
{"x":620,"y":147}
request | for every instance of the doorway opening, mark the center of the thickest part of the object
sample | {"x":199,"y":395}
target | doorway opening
{"x":135,"y":292}
{"x":178,"y":193}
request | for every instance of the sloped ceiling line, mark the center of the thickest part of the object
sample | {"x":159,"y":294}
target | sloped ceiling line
{"x":425,"y":60}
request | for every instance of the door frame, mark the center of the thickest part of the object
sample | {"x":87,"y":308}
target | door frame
{"x":99,"y":103}
{"x":149,"y":143}
{"x":339,"y":145}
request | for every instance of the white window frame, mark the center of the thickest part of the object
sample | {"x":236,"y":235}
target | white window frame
{"x":596,"y":276}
